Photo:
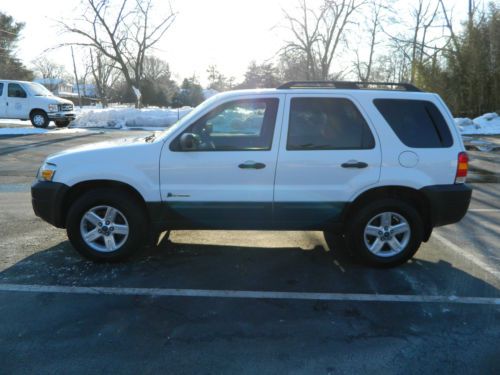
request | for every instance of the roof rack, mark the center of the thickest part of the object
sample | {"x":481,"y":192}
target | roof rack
{"x":349,"y":85}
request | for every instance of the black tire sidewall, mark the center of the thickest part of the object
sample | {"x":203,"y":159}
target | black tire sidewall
{"x":46,"y":122}
{"x":365,"y":214}
{"x":126,"y":204}
{"x":61,"y":124}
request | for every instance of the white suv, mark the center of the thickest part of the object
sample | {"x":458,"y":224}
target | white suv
{"x":379,"y":168}
{"x":24,"y":100}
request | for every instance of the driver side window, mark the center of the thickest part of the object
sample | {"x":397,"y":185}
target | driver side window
{"x":16,"y":91}
{"x":243,"y":125}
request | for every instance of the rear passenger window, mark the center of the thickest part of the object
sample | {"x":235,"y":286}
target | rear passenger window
{"x":1,"y":88}
{"x":327,"y":124}
{"x":417,"y":123}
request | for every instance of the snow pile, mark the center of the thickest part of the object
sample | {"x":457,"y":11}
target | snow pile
{"x":489,"y":123}
{"x":120,"y":118}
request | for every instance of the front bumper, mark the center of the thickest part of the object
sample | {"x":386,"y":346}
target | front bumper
{"x":61,"y":116}
{"x":47,"y":199}
{"x":448,"y":203}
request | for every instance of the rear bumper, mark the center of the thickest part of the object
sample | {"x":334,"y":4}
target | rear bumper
{"x":47,"y":199}
{"x":448,"y":203}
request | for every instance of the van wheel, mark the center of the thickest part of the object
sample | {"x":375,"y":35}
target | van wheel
{"x":61,"y":124}
{"x":39,"y":119}
{"x":106,"y":225}
{"x":385,"y":233}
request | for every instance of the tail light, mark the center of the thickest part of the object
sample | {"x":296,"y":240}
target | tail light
{"x":462,"y":167}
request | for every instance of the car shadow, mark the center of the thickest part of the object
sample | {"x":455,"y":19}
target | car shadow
{"x":202,"y":266}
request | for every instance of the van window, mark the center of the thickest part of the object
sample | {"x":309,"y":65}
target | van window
{"x":243,"y":125}
{"x":327,"y":124}
{"x":417,"y":123}
{"x":16,"y":91}
{"x":1,"y":88}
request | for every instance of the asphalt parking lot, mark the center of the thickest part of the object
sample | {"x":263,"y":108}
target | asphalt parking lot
{"x":243,"y":302}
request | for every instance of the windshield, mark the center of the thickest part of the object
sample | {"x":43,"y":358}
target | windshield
{"x":39,"y":90}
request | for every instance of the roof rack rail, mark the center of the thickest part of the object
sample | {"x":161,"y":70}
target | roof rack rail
{"x":349,"y":85}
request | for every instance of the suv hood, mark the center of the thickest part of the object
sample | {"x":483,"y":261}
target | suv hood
{"x":102,"y":149}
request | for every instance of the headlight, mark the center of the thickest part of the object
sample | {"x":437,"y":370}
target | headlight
{"x":47,"y":172}
{"x":53,"y":108}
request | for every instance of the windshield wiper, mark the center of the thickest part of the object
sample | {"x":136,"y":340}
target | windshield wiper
{"x":150,"y":137}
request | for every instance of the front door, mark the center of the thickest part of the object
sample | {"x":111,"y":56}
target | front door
{"x":219,"y":171}
{"x":17,"y":101}
{"x":328,"y":153}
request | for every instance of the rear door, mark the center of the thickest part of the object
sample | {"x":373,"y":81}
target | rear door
{"x":227,"y":179}
{"x":329,"y":151}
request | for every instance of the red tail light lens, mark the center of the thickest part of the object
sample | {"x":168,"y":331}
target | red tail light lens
{"x":462,"y":168}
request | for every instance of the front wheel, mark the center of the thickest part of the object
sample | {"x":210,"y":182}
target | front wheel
{"x":39,"y":119}
{"x":385,"y":233}
{"x":105,"y":225}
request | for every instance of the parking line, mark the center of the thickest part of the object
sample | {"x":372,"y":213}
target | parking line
{"x":484,"y":210}
{"x":468,"y":254}
{"x":249,"y":294}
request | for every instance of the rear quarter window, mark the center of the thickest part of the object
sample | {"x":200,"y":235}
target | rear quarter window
{"x":417,"y":123}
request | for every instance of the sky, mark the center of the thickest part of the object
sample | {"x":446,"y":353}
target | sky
{"x":226,"y":33}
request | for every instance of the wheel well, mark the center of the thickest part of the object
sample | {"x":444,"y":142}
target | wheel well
{"x":77,"y":190}
{"x":411,"y":196}
{"x":36,"y":110}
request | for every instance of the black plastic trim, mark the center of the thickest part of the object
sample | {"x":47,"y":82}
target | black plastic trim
{"x":47,"y":199}
{"x":448,"y":203}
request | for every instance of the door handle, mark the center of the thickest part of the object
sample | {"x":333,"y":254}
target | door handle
{"x":251,"y":165}
{"x":354,"y":164}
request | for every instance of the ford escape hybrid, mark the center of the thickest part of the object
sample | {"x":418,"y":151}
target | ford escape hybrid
{"x":377,"y":166}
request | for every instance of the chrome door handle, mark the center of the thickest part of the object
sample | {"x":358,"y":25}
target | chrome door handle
{"x":251,"y":165}
{"x":354,"y":164}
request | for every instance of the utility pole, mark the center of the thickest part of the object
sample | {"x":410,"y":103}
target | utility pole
{"x":76,"y":78}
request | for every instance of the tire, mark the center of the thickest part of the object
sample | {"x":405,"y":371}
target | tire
{"x":39,"y":119}
{"x":61,"y":124}
{"x":386,"y":252}
{"x":127,"y":227}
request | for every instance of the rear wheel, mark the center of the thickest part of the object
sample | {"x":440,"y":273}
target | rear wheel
{"x":385,"y":233}
{"x":61,"y":123}
{"x":39,"y":119}
{"x":105,"y":225}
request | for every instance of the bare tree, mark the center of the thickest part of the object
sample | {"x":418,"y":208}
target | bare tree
{"x":415,"y":45}
{"x":124,"y":34}
{"x":156,"y":69}
{"x":105,"y":74}
{"x":49,"y":71}
{"x":317,"y":34}
{"x":364,"y":69}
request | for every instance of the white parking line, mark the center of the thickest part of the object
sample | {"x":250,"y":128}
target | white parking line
{"x":160,"y":292}
{"x":469,"y":255}
{"x":483,"y":210}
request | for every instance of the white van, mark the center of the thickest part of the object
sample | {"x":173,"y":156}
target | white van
{"x":22,"y":100}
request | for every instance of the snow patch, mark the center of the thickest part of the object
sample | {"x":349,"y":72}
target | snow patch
{"x":29,"y":131}
{"x":487,"y":124}
{"x":122,"y":118}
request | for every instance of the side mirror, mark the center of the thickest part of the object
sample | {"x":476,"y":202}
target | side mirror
{"x":189,"y":142}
